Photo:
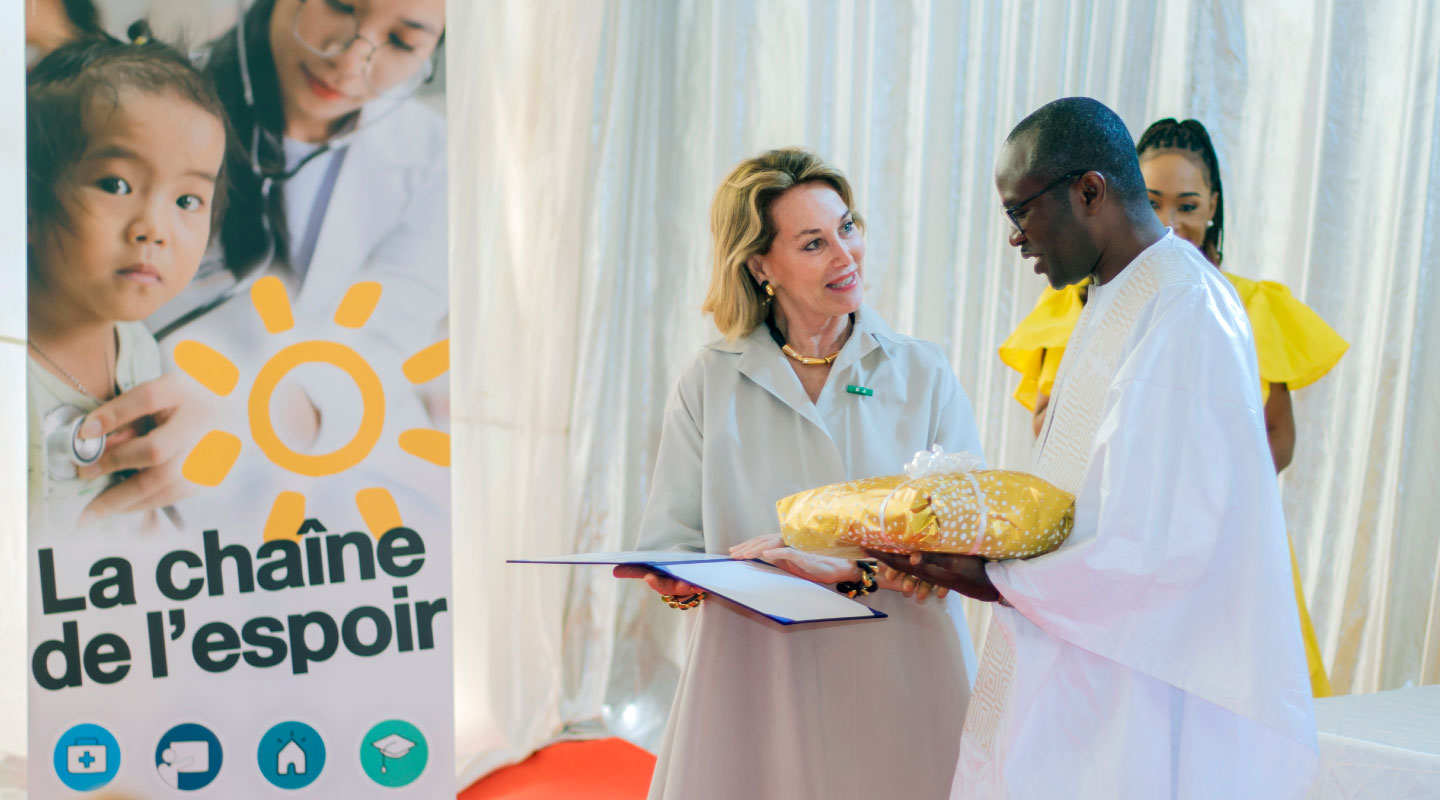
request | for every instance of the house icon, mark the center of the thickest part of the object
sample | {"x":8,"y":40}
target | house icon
{"x":291,"y":759}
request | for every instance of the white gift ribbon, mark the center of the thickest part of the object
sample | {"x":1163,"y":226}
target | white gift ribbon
{"x":935,"y":461}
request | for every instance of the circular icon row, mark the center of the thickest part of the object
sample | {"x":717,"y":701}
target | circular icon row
{"x":291,"y":755}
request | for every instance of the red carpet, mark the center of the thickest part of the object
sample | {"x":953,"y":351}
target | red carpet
{"x":603,"y":769}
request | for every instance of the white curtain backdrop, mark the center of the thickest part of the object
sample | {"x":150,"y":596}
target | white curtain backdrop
{"x":589,"y":135}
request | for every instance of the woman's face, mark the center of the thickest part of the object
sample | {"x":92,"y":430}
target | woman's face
{"x":816,"y":263}
{"x":318,"y":91}
{"x":1179,"y":193}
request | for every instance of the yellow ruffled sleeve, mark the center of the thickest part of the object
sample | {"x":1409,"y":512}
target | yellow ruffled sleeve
{"x":1036,"y":346}
{"x":1293,"y":345}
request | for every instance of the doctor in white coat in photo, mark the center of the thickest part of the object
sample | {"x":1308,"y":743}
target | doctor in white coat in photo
{"x":763,"y":412}
{"x":339,"y":178}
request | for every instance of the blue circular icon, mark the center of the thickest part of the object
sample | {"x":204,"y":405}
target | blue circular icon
{"x":291,"y":755}
{"x":86,"y":757}
{"x":188,"y":757}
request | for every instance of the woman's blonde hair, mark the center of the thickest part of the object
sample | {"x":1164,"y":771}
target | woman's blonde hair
{"x":741,"y":227}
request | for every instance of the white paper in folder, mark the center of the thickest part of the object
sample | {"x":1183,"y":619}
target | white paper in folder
{"x":756,"y":585}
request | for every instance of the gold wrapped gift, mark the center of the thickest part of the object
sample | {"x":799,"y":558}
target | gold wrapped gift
{"x":943,"y":504}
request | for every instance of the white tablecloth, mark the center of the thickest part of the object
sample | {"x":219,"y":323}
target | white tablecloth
{"x":1383,"y":746}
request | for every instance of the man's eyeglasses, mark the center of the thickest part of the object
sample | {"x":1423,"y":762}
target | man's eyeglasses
{"x":1012,"y":211}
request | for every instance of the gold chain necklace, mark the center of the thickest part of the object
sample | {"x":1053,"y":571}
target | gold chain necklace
{"x":809,"y":361}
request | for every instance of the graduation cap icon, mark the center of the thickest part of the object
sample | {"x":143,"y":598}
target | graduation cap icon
{"x":392,"y":746}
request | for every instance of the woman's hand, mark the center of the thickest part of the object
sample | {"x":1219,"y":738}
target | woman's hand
{"x":662,"y":584}
{"x":827,"y":569}
{"x":150,"y":429}
{"x":812,"y":567}
{"x":1037,"y":419}
{"x":820,"y":569}
{"x":755,"y":548}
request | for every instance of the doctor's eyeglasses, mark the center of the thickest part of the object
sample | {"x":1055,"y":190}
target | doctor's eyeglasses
{"x":328,"y":28}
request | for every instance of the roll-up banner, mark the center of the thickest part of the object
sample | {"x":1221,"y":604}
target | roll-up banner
{"x":238,"y":474}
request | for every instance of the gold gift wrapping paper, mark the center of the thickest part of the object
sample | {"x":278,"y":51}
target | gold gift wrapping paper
{"x":996,"y":514}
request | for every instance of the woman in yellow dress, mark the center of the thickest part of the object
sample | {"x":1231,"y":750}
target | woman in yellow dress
{"x":1293,"y":344}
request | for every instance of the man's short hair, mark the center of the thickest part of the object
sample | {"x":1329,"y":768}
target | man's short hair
{"x":1076,"y":134}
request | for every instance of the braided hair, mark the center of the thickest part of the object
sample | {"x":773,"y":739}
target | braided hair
{"x":1189,"y":135}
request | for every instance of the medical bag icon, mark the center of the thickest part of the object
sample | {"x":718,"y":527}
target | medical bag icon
{"x":85,"y":755}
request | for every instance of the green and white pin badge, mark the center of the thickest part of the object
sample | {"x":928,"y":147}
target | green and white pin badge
{"x":863,"y":391}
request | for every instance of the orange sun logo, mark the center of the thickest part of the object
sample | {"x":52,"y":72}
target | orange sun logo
{"x":212,"y":458}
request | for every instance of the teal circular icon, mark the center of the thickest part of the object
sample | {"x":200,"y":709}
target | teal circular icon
{"x":394,"y":753}
{"x":86,"y":757}
{"x":188,"y":757}
{"x":291,"y":755}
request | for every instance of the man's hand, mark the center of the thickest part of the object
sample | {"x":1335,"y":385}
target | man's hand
{"x":908,"y":585}
{"x":964,"y":574}
{"x":149,"y":429}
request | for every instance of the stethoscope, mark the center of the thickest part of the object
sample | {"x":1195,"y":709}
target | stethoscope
{"x":269,"y":179}
{"x":65,"y":449}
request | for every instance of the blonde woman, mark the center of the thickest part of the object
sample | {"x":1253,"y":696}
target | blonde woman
{"x":805,"y":386}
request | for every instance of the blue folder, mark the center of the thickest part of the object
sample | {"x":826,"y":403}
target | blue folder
{"x":763,"y":588}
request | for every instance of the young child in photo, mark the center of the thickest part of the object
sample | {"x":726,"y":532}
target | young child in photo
{"x":125,"y":150}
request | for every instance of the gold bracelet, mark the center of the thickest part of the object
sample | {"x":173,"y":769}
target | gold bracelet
{"x":862,"y":587}
{"x":683,"y":603}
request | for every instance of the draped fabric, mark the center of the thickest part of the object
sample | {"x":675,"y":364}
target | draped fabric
{"x":596,"y":133}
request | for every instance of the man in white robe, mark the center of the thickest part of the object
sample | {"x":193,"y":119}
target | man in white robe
{"x":1154,"y":654}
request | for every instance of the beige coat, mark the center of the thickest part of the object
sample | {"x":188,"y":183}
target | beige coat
{"x":826,"y":710}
